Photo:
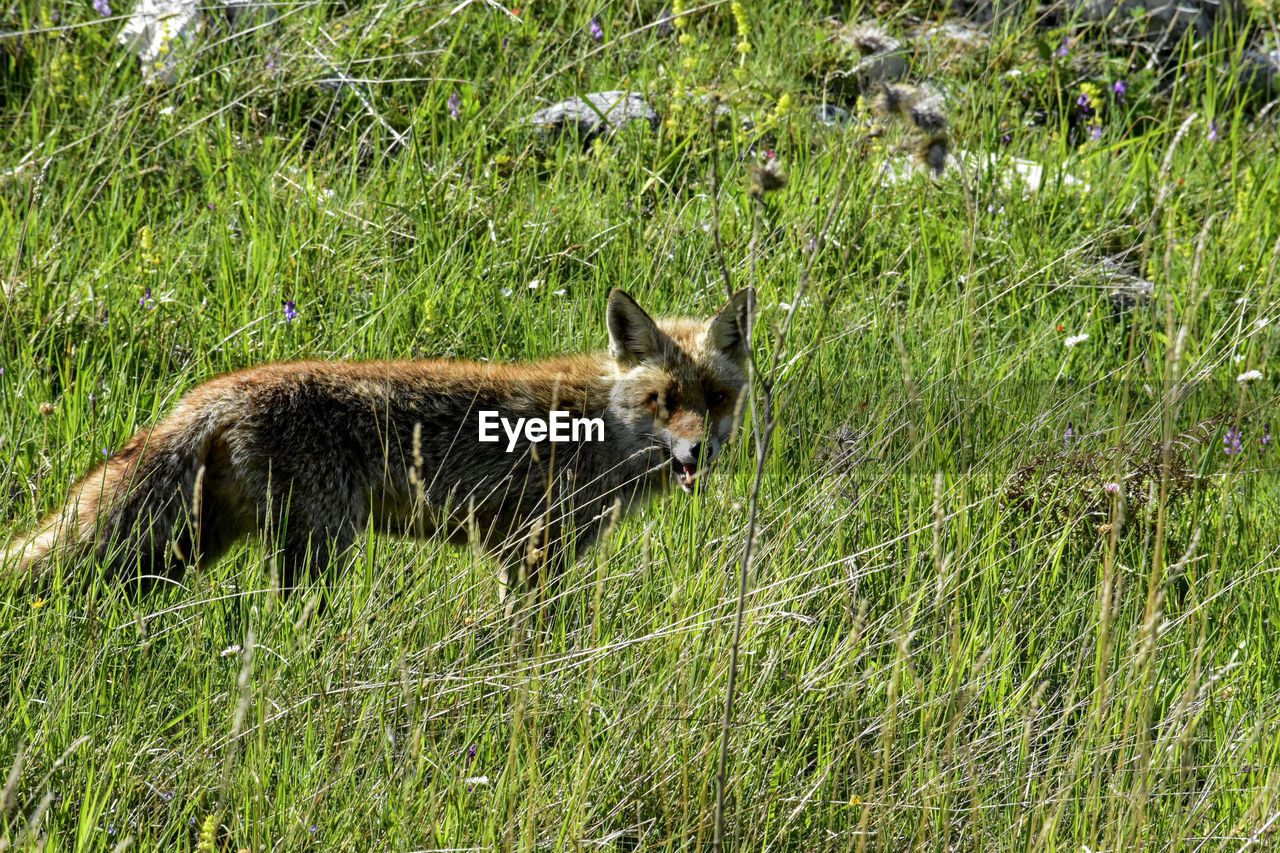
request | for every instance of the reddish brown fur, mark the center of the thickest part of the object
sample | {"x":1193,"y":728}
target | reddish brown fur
{"x":311,"y":452}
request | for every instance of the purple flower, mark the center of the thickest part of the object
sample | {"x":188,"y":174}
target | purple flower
{"x":146,"y":301}
{"x":1069,"y":435}
{"x":313,"y":828}
{"x":1064,"y":49}
{"x":1111,"y":488}
{"x":212,"y":206}
{"x":1265,"y":441}
{"x":596,"y":32}
{"x":1083,"y":101}
{"x":1213,"y":131}
{"x":1095,"y":131}
{"x":101,"y":7}
{"x":1118,"y":87}
{"x":455,"y":105}
{"x":471,"y":755}
{"x":1232,"y":442}
{"x":290,"y":310}
{"x":1007,"y":138}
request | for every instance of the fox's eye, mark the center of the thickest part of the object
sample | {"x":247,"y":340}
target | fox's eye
{"x":716,"y":398}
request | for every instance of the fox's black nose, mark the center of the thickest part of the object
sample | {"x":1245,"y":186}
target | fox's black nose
{"x":695,"y":451}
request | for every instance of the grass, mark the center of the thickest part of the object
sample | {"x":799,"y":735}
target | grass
{"x":930,"y":658}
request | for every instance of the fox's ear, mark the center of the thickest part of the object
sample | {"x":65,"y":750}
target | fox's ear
{"x":727,"y":330}
{"x":633,"y":336}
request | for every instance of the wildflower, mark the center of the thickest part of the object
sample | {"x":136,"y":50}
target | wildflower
{"x":1095,"y":131}
{"x":290,"y":310}
{"x":1213,"y":131}
{"x":38,"y":603}
{"x":1064,"y":49}
{"x":455,"y":105}
{"x":212,"y":206}
{"x":1111,"y":488}
{"x":471,"y":755}
{"x":1249,"y":376}
{"x":313,"y":828}
{"x":146,"y":301}
{"x":1006,"y":139}
{"x":1083,"y":101}
{"x":1118,"y":87}
{"x":102,"y":7}
{"x":1232,"y":442}
{"x":233,"y":649}
{"x":596,"y":32}
{"x":1265,"y":441}
{"x":1069,"y":435}
{"x":1075,"y":339}
{"x":47,"y":408}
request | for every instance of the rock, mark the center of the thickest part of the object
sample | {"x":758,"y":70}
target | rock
{"x":830,"y":115}
{"x":1162,"y":23}
{"x":1011,"y":172}
{"x":597,"y":113}
{"x":953,"y":34}
{"x":158,"y":32}
{"x":1126,"y":291}
{"x":1260,"y":72}
{"x":664,"y":27}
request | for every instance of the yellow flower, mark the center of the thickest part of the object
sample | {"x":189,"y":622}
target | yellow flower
{"x":38,"y":603}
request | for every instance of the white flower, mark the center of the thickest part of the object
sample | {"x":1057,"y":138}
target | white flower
{"x":231,"y":650}
{"x":1238,"y":357}
{"x":1249,"y":376}
{"x":167,"y":111}
{"x":1261,"y":322}
{"x":506,"y":291}
{"x":1076,"y":339}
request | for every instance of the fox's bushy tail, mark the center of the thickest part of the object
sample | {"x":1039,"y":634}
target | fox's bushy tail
{"x":137,"y":513}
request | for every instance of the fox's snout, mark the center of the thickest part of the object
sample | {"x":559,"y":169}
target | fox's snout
{"x":691,"y":456}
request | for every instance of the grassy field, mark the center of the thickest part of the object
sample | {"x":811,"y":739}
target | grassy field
{"x":986,"y":611}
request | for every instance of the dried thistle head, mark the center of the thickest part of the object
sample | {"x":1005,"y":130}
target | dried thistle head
{"x":1064,"y":487}
{"x":932,"y":152}
{"x":765,"y":177}
{"x":895,"y":99}
{"x":926,"y":113}
{"x":869,"y":40}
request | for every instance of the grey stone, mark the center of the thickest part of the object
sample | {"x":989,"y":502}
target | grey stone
{"x":1260,"y":72}
{"x":597,"y":113}
{"x":831,"y":115}
{"x":1160,"y":22}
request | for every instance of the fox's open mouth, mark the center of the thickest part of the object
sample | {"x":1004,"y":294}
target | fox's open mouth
{"x":686,"y":474}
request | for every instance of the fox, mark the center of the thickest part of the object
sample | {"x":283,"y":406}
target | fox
{"x":309,"y":454}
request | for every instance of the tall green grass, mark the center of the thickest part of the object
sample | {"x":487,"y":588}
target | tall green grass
{"x":925,"y":662}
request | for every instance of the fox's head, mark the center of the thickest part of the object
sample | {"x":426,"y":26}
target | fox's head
{"x":680,"y":380}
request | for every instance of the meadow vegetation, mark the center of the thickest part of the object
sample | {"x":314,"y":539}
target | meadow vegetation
{"x":1016,"y":553}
